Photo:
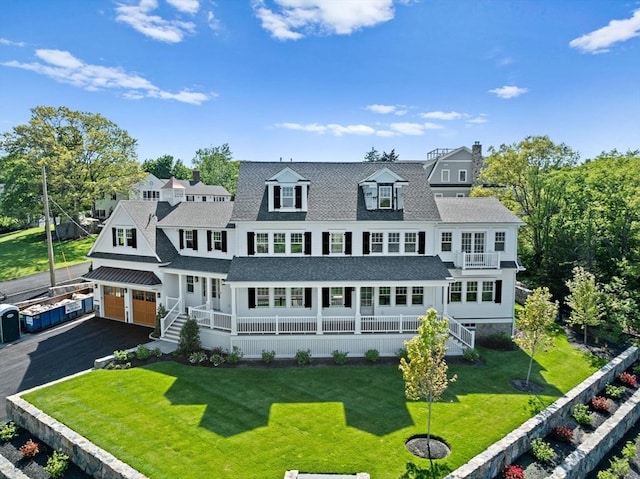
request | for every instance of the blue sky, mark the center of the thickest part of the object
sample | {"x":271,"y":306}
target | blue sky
{"x":326,"y":80}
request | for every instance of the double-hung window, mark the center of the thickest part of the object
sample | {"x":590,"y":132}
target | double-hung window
{"x":297,"y":297}
{"x":417,"y":295}
{"x":296,"y":242}
{"x":262,"y":243}
{"x":498,"y":244}
{"x":287,"y":197}
{"x":410,"y":242}
{"x":337,"y":296}
{"x":487,"y":291}
{"x":445,"y":175}
{"x":366,"y":296}
{"x":446,"y":241}
{"x":401,"y":295}
{"x":262,"y":297}
{"x":188,"y":238}
{"x":337,"y":243}
{"x":377,"y":242}
{"x":217,"y":240}
{"x":280,"y":297}
{"x":279,"y":243}
{"x":384,"y":296}
{"x":462,"y":176}
{"x":472,"y":291}
{"x":121,"y":236}
{"x":385,"y":196}
{"x":393,"y":245}
{"x":190,"y":286}
{"x":455,"y":292}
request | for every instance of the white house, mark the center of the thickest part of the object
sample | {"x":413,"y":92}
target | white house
{"x":453,"y":171}
{"x":319,"y":256}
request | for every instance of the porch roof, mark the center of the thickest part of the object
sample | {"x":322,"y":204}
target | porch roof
{"x":198,"y":264}
{"x":333,"y":269}
{"x":122,"y":275}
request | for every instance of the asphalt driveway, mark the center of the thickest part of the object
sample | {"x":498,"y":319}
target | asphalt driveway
{"x":66,"y":349}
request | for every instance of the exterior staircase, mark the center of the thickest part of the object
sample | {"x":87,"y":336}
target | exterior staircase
{"x":172,"y":334}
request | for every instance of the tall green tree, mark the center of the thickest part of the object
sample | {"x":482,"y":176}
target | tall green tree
{"x":217,"y":167}
{"x":85,"y":155}
{"x":525,"y":177}
{"x":425,"y":370}
{"x":584,"y":300}
{"x":534,"y":324}
{"x":166,"y":166}
{"x":390,"y":157}
{"x":372,"y":155}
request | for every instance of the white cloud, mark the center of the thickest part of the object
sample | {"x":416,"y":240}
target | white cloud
{"x":9,"y":43}
{"x":213,"y":22}
{"x":509,"y":91}
{"x":186,"y":6}
{"x":616,"y":31}
{"x":443,"y":115}
{"x":386,"y":133}
{"x":477,"y":120}
{"x":332,"y":128}
{"x":432,"y":126}
{"x":153,"y":26}
{"x":293,"y":19}
{"x":411,"y":129}
{"x":63,"y":67}
{"x":397,"y":110}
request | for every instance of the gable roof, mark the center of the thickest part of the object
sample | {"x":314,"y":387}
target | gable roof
{"x":199,"y":188}
{"x":334,"y":193}
{"x":198,"y":214}
{"x":173,"y":184}
{"x":475,"y":210}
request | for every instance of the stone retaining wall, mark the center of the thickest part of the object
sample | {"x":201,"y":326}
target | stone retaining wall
{"x":505,"y":451}
{"x":86,"y":455}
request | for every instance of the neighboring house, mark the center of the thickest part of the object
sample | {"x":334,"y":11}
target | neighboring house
{"x":452,"y":172}
{"x":155,"y":189}
{"x":319,"y":256}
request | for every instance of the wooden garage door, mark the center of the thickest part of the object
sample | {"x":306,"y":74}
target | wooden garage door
{"x":144,"y":307}
{"x":113,"y":302}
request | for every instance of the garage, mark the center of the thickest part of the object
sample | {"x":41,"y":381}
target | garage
{"x":113,"y":298}
{"x":144,"y":307}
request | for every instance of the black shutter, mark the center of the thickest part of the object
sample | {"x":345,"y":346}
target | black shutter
{"x":114,"y":237}
{"x":276,"y":197}
{"x":298,"y":197}
{"x":326,"y":299}
{"x":307,"y":242}
{"x":252,"y":297}
{"x":181,"y":234}
{"x":325,"y":243}
{"x":365,"y":242}
{"x":224,"y":241}
{"x":195,"y":240}
{"x":307,"y":297}
{"x":209,"y":242}
{"x":347,"y":297}
{"x":134,"y":238}
{"x":498,"y":291}
{"x":421,"y":242}
{"x":347,"y":242}
{"x":251,"y":244}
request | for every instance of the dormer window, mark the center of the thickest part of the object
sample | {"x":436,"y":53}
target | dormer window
{"x":287,"y":191}
{"x":287,"y":197}
{"x":385,"y":196}
{"x":384,"y":190}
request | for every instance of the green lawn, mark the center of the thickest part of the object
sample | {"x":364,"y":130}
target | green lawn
{"x":24,"y":252}
{"x":168,"y":420}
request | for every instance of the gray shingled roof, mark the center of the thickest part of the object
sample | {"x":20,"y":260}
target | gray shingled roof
{"x":198,"y":214}
{"x":334,"y":194}
{"x":200,"y":188}
{"x":123,"y":257}
{"x":334,"y":269}
{"x":124,"y":276}
{"x":205,"y":265}
{"x":146,"y":215}
{"x":475,"y":210}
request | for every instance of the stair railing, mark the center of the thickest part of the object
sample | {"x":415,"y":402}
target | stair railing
{"x":171,"y":316}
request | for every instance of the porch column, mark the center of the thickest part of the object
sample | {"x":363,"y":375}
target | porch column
{"x":181,"y":280}
{"x":445,"y":300}
{"x":319,"y":316}
{"x":358,"y":325}
{"x":208,"y":302}
{"x":234,"y":322}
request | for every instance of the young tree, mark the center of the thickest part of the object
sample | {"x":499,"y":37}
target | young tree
{"x":217,"y":167}
{"x":85,"y":155}
{"x":584,"y":300}
{"x":390,"y":157}
{"x":425,"y":370}
{"x":372,"y":155}
{"x":534,"y":324}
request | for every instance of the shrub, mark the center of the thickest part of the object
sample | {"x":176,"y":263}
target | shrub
{"x":542,"y":450}
{"x":372,"y":355}
{"x":582,"y":415}
{"x":563,"y":433}
{"x":235,"y":355}
{"x":629,"y":451}
{"x":619,"y":466}
{"x":57,"y":464}
{"x":216,"y":359}
{"x":268,"y":356}
{"x":197,"y":357}
{"x":143,"y":352}
{"x":122,"y":355}
{"x":614,"y":392}
{"x":8,"y":431}
{"x":30,"y":448}
{"x":600,"y":403}
{"x":189,"y":338}
{"x":636,"y":369}
{"x":303,"y":357}
{"x":513,"y":471}
{"x":402,"y":353}
{"x":628,"y":380}
{"x":471,"y":355}
{"x":499,"y":341}
{"x":606,"y":474}
{"x":340,"y":357}
{"x":161,"y":313}
{"x":157,"y":352}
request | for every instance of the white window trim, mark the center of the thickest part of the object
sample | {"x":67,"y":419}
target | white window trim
{"x":462,"y":173}
{"x":447,"y":175}
{"x":389,"y":197}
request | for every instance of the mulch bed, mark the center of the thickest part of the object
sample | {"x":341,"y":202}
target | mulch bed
{"x":425,"y":448}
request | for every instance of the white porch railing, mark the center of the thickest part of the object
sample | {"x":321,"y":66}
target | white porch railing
{"x":210,"y":318}
{"x":390,"y":324}
{"x":464,"y":335}
{"x":478,"y":260}
{"x":174,"y":305}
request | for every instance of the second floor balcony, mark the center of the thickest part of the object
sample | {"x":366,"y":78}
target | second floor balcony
{"x":466,"y":260}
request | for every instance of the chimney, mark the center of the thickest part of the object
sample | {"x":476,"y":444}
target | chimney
{"x":476,"y":162}
{"x":196,"y":176}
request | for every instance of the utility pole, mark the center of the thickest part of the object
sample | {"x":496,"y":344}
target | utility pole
{"x":47,"y":229}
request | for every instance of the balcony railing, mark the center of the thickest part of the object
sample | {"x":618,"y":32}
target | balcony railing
{"x":478,"y":260}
